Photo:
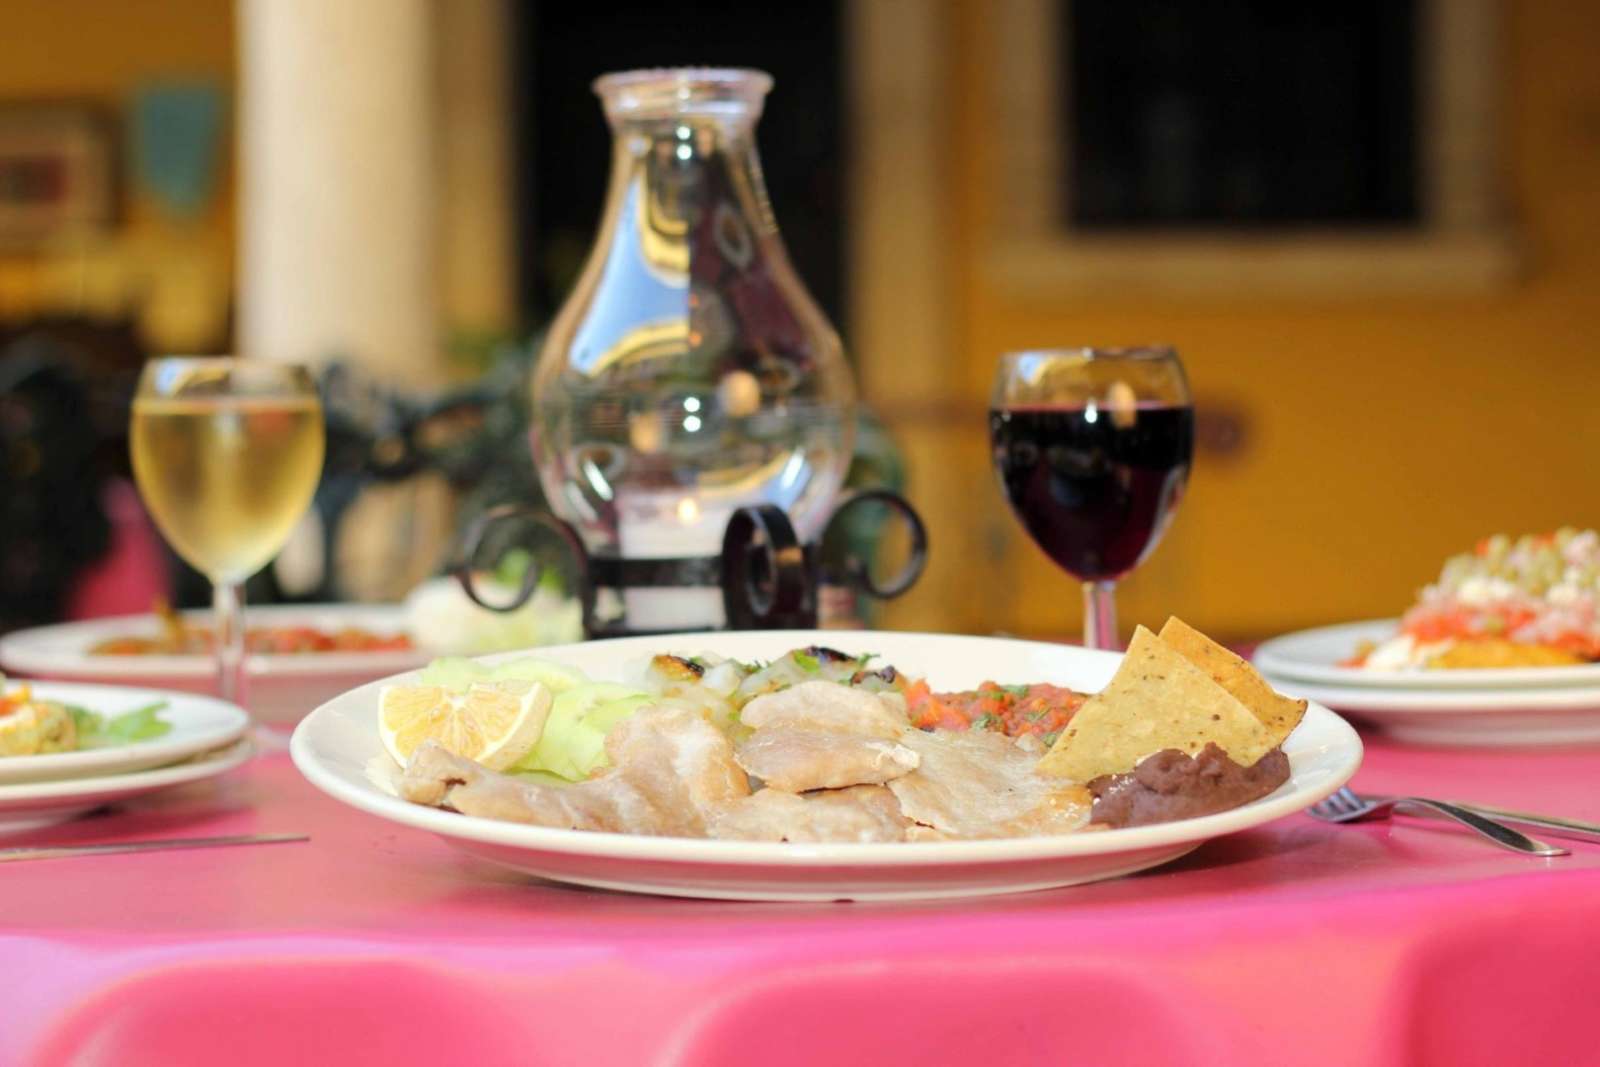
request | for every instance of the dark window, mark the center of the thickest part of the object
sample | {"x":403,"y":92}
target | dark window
{"x":564,"y":146}
{"x":1253,"y":113}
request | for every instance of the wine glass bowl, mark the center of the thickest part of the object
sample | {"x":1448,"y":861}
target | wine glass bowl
{"x":1093,"y":449}
{"x":227,"y":454}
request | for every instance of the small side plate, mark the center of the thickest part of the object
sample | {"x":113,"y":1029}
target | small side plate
{"x":199,"y":724}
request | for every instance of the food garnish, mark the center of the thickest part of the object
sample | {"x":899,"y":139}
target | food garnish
{"x":493,"y":723}
{"x":574,"y":742}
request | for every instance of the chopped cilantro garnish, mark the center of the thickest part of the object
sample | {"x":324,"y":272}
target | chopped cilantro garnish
{"x":1049,"y":739}
{"x":984,"y":721}
{"x":1016,"y":690}
{"x":807,"y":662}
{"x":865,"y":658}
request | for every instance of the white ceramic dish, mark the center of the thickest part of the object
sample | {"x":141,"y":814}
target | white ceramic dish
{"x":26,"y":805}
{"x":1315,"y":656}
{"x":337,"y":744}
{"x":1479,"y":718}
{"x":281,"y":688}
{"x":199,"y":724}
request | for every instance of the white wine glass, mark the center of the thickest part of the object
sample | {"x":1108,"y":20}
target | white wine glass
{"x":227,"y":453}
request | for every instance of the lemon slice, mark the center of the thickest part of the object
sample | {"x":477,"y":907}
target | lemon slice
{"x":494,"y":723}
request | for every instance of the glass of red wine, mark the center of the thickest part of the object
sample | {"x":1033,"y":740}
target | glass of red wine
{"x":1093,"y":447}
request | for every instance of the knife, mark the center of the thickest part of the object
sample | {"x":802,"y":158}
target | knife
{"x":55,"y":852}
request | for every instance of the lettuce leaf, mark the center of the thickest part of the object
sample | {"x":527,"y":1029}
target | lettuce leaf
{"x":140,"y":724}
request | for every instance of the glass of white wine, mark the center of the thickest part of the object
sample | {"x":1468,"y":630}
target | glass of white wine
{"x":227,"y":454}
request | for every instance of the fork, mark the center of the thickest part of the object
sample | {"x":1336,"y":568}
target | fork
{"x":1346,"y":806}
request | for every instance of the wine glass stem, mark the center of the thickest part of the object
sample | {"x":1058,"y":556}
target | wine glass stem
{"x":1100,"y":615}
{"x":227,"y":603}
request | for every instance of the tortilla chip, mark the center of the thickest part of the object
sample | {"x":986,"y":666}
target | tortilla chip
{"x":1277,"y":713}
{"x":1157,"y":700}
{"x":1481,"y":652}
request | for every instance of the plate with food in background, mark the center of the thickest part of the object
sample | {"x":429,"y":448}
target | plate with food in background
{"x":51,"y":731}
{"x":298,"y":656}
{"x":821,"y":765}
{"x":1508,"y":614}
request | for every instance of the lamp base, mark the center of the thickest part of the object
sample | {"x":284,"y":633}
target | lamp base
{"x":768,"y":579}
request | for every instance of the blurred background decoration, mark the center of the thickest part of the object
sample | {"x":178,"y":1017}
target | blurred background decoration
{"x":57,"y":173}
{"x":1369,"y":226}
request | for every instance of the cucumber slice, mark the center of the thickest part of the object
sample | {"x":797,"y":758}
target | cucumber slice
{"x":458,"y":674}
{"x":573,"y":744}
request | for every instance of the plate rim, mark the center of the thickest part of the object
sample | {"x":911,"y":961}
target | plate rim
{"x":223,"y":758}
{"x":537,"y":839}
{"x":1269,"y":659}
{"x":1374,"y":702}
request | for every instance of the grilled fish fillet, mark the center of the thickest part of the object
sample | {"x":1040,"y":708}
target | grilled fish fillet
{"x":821,"y":735}
{"x":670,"y":770}
{"x":976,"y":783}
{"x":861,"y":813}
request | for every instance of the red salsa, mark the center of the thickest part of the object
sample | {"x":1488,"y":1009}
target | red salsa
{"x":1014,"y":710}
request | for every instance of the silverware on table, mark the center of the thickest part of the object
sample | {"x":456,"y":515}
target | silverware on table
{"x":1346,"y":806}
{"x":48,"y":852}
{"x":1574,"y":828}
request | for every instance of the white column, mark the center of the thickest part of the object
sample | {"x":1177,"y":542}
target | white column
{"x":477,"y":259}
{"x":336,"y":165}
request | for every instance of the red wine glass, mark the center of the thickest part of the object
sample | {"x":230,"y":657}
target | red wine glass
{"x":1093,"y":447}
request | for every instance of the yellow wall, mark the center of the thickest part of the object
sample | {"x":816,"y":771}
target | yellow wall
{"x":1384,"y":433}
{"x":175,"y":276}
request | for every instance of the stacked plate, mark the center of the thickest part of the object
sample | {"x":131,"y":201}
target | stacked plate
{"x":206,"y":739}
{"x":1487,"y":707}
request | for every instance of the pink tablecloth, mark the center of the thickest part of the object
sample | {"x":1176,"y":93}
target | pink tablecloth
{"x":1297,"y":943}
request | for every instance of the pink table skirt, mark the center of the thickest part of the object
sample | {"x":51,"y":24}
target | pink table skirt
{"x":1297,"y":943}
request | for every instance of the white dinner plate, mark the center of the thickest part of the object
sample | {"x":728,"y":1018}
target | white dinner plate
{"x":1315,"y":656}
{"x":199,"y":724}
{"x":1477,"y":717}
{"x":26,"y":805}
{"x":337,"y":746}
{"x":280,"y":688}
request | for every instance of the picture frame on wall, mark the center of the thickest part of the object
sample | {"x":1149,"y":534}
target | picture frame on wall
{"x":57,"y":172}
